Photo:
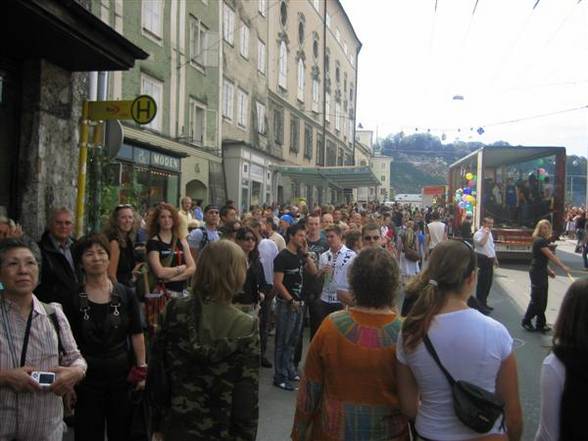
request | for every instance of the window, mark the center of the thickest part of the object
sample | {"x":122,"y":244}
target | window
{"x":345,"y":49}
{"x":278,"y":126}
{"x":350,"y":126}
{"x":242,"y":108}
{"x":337,"y":116}
{"x":315,"y":48}
{"x":228,"y":24}
{"x":328,"y":20}
{"x":244,"y":40}
{"x":338,"y":35}
{"x":315,"y":95}
{"x":154,"y":88}
{"x":198,"y":41}
{"x":283,"y":13}
{"x":261,"y":56}
{"x":337,"y":74}
{"x":260,"y":117}
{"x":383,"y":166}
{"x":294,"y":134}
{"x":283,"y":74}
{"x":152,"y":17}
{"x":262,"y":7}
{"x":301,"y":32}
{"x":197,"y":122}
{"x":316,"y":5}
{"x":328,"y":107}
{"x":308,"y":142}
{"x":383,"y":178}
{"x":300,"y":94}
{"x":228,"y":89}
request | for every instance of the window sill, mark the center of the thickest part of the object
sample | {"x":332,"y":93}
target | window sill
{"x":199,"y":67}
{"x":152,"y":36}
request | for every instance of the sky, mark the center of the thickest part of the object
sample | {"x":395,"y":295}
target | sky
{"x":508,"y":61}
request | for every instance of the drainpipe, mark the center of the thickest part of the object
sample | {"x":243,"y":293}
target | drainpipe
{"x":220,"y":102}
{"x":324,"y":163}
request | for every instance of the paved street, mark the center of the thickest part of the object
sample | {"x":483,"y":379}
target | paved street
{"x":510,"y":296}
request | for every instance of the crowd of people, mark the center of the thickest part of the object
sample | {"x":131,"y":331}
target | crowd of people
{"x":158,"y":326}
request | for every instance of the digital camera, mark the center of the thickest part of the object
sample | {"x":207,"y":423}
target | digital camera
{"x":45,"y":379}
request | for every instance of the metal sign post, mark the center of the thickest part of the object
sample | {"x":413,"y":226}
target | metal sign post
{"x":142,"y":110}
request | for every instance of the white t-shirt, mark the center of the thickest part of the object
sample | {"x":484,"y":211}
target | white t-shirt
{"x":488,"y":249}
{"x":340,"y":262}
{"x":472,"y":347}
{"x":436,"y":233}
{"x":553,"y":378}
{"x":268,"y":251}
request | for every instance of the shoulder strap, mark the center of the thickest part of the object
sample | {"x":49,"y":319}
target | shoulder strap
{"x":433,"y":353}
{"x":50,"y":310}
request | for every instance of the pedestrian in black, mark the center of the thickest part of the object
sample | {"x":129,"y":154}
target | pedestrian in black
{"x":486,"y":255}
{"x":539,"y":273}
{"x":105,"y":320}
{"x":58,"y":277}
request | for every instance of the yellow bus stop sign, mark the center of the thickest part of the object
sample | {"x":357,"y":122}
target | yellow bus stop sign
{"x":143,"y":109}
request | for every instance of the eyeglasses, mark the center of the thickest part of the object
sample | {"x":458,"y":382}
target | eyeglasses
{"x":371,"y":238}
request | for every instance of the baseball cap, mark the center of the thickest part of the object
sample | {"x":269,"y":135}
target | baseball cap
{"x":287,"y":218}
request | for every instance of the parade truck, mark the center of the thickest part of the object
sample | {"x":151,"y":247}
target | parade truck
{"x":516,"y":186}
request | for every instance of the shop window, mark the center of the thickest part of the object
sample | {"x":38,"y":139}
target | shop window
{"x":154,"y":88}
{"x":256,"y":193}
{"x":244,"y":199}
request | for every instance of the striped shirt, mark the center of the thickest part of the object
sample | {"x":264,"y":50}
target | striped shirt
{"x":37,"y":416}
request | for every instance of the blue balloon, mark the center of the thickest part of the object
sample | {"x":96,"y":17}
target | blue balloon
{"x":467,"y":191}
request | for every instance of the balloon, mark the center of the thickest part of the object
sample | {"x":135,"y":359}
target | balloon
{"x":542,"y":178}
{"x":470,"y":198}
{"x":469,"y":176}
{"x":471,"y":183}
{"x":461,"y":204}
{"x":541,"y":171}
{"x":467,"y":191}
{"x":468,"y":205}
{"x":464,"y":197}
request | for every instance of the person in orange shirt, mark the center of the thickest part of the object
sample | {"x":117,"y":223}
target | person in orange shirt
{"x":349,"y":383}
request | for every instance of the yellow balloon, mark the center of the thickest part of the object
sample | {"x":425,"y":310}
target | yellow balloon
{"x":469,"y":176}
{"x":470,"y":199}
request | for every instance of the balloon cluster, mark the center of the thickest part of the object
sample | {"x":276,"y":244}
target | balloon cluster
{"x":466,"y":197}
{"x":542,"y":174}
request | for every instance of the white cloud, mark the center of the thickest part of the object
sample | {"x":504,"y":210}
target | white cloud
{"x":507,"y":60}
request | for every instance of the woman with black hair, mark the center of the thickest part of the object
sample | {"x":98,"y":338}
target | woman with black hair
{"x":249,"y":298}
{"x":564,"y":376}
{"x":104,"y":317}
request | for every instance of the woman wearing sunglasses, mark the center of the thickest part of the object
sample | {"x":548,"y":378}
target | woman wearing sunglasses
{"x":249,"y":297}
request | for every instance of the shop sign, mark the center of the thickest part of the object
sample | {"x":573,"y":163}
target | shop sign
{"x":256,"y":171}
{"x":164,"y":161}
{"x":141,"y":156}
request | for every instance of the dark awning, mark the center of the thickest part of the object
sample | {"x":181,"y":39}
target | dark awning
{"x":340,"y":177}
{"x":65,"y":33}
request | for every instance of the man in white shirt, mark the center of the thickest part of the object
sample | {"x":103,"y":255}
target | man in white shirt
{"x":333,"y":267}
{"x":436,"y":233}
{"x":486,"y":253}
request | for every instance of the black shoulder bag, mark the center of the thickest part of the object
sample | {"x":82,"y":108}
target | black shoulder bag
{"x":475,"y":407}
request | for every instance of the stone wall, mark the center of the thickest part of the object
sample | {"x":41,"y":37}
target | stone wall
{"x":51,"y":108}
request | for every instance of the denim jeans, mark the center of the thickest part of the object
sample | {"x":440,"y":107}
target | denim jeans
{"x":288,"y":325}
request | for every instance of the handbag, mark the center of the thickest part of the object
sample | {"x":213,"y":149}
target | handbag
{"x":474,"y":406}
{"x":409,"y":252}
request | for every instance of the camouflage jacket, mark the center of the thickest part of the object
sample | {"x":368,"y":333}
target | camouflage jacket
{"x":212,"y":360}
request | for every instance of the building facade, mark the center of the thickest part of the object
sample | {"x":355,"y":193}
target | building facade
{"x":379,"y":164}
{"x":178,"y":153}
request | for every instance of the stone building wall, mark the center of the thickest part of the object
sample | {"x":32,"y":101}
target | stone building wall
{"x":51,"y":109}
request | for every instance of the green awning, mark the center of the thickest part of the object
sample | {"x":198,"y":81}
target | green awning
{"x":340,"y":177}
